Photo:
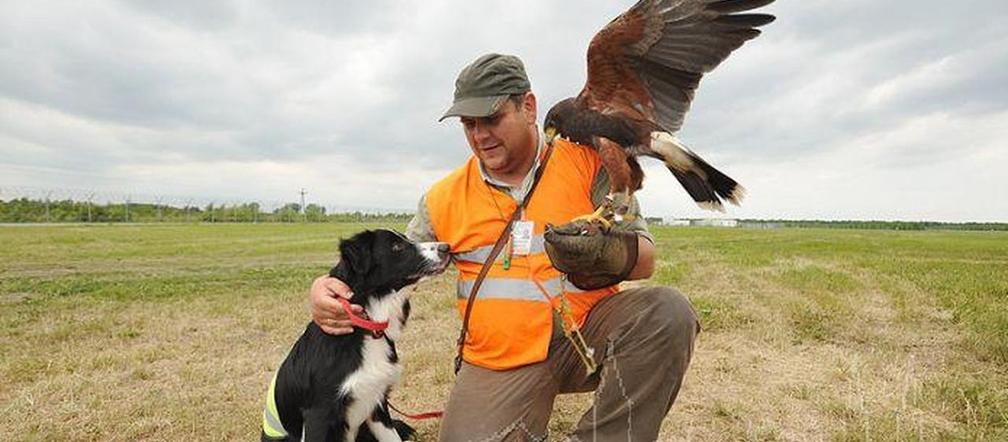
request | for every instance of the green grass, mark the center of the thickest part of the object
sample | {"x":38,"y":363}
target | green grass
{"x":167,"y":332}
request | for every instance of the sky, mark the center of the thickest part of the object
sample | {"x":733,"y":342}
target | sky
{"x":853,"y":109}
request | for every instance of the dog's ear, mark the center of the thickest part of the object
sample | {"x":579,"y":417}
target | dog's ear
{"x":354,"y":255}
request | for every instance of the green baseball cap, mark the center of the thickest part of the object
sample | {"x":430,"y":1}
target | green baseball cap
{"x":483,"y":86}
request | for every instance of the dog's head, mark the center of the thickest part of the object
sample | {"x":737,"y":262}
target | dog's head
{"x":384,"y":261}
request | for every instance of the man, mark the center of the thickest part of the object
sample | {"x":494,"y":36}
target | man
{"x":517,"y":358}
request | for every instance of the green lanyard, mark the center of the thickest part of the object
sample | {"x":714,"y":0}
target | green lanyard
{"x":507,"y":256}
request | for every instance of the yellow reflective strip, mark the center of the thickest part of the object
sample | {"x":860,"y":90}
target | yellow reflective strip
{"x":272,"y":426}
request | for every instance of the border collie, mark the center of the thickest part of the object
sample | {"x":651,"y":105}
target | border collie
{"x":335,"y":388}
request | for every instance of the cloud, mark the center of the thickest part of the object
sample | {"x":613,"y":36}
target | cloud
{"x":242,"y":99}
{"x":952,"y":177}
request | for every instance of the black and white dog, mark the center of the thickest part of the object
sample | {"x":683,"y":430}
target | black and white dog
{"x":335,"y":388}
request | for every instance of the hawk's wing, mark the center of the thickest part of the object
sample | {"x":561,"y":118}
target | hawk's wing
{"x":647,"y":62}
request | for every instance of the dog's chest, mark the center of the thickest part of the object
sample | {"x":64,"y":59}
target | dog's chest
{"x":379,"y":370}
{"x":376,"y":370}
{"x":367,"y":386}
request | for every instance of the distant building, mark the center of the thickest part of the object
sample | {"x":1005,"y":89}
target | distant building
{"x":676,"y":222}
{"x":714,"y":222}
{"x":760,"y":225}
{"x":709,"y":222}
{"x":654,"y":221}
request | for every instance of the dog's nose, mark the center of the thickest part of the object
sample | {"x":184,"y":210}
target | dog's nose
{"x":443,"y":247}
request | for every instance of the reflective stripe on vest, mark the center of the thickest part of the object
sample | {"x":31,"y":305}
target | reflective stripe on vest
{"x":271,"y":418}
{"x":480,"y":254}
{"x":520,"y":289}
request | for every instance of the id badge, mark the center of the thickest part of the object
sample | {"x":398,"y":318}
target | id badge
{"x":521,"y":237}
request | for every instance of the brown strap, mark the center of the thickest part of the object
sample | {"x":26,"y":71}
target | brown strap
{"x":498,"y":246}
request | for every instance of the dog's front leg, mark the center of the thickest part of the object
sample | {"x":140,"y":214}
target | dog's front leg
{"x":384,"y":429}
{"x":351,"y":434}
{"x":382,"y":432}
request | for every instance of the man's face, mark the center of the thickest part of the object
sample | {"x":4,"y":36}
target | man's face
{"x":504,"y":142}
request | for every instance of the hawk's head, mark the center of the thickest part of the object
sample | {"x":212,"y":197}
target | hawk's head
{"x":557,"y":120}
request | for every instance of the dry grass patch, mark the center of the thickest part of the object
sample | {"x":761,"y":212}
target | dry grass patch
{"x":172,"y":332}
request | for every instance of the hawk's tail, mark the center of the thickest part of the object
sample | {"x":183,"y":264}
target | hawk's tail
{"x":705,"y":184}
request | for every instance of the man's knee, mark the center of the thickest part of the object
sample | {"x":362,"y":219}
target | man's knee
{"x":668,"y":309}
{"x":672,"y":318}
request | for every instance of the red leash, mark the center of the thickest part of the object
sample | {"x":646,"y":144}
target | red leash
{"x":417,"y":417}
{"x":377,"y":328}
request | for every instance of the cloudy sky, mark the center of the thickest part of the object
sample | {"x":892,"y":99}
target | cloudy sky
{"x":852,"y":109}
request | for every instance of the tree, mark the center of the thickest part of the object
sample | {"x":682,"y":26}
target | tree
{"x":315,"y":212}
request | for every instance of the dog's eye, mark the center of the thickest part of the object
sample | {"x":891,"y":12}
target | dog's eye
{"x":397,"y":247}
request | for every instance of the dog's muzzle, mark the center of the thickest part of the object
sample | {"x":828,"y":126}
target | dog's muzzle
{"x":437,"y":253}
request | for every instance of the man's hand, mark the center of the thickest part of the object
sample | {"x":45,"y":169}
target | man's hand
{"x":590,"y":257}
{"x":327,"y":312}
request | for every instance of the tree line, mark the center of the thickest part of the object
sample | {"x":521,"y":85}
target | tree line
{"x":884,"y":225}
{"x":25,"y":210}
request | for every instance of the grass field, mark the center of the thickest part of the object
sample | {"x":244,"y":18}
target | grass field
{"x":171,"y":332}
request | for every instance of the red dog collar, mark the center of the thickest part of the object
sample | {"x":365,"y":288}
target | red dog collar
{"x":377,"y":328}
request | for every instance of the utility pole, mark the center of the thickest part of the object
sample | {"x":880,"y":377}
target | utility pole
{"x":304,"y":213}
{"x":90,"y":197}
{"x":47,"y":217}
{"x":157,"y":204}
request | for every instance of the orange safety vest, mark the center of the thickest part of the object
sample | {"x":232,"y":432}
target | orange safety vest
{"x":512,"y":321}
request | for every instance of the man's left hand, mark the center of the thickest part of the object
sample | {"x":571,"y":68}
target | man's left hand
{"x":591,"y":257}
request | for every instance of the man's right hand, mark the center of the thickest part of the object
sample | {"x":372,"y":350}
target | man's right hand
{"x":327,"y":312}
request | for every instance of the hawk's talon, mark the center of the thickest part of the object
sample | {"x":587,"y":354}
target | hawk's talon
{"x":600,"y":216}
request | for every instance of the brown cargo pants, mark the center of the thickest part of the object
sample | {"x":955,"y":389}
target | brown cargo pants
{"x":643,"y":341}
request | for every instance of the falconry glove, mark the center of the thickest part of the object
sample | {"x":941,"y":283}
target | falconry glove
{"x":591,"y":257}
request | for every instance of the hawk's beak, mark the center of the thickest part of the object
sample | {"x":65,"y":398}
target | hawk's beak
{"x":551,"y":134}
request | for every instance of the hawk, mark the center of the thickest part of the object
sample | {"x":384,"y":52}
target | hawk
{"x":643,"y":68}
